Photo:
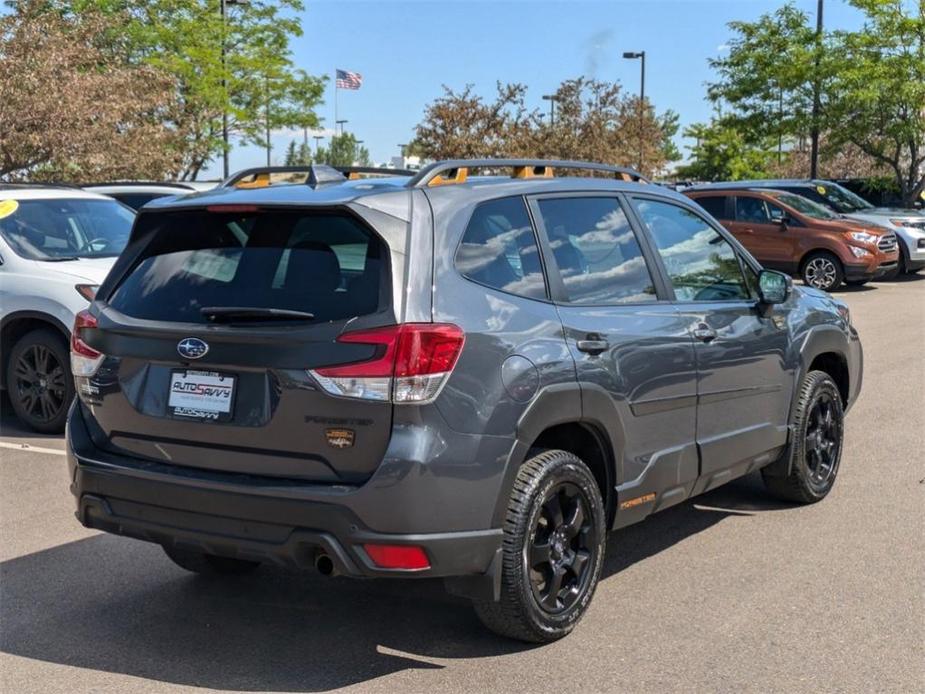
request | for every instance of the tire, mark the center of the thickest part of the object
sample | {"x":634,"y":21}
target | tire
{"x":822,"y":270}
{"x":209,"y":564}
{"x":39,"y":381}
{"x":543,"y":549}
{"x":815,"y":452}
{"x":856,"y":283}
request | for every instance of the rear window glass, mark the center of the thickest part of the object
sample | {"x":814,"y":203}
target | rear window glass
{"x":329,"y":265}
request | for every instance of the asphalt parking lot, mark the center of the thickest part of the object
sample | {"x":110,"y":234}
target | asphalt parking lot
{"x":729,"y":592}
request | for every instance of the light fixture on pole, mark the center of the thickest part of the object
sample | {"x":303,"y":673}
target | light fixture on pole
{"x":640,"y":55}
{"x":318,"y":139}
{"x":552,"y":99}
{"x":341,"y":124}
{"x":223,"y":5}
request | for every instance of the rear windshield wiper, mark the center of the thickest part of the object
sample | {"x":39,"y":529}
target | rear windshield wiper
{"x":254,"y":313}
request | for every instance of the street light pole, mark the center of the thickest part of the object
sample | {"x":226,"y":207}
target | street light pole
{"x":341,"y":124}
{"x":641,"y":55}
{"x":552,"y":99}
{"x":223,"y":8}
{"x":318,"y":139}
{"x":814,"y":132}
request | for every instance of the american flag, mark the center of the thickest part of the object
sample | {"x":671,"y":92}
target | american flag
{"x":349,"y":80}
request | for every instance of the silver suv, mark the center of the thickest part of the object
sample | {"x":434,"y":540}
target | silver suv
{"x":444,"y":375}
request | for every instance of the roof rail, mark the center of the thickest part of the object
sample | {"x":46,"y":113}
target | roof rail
{"x":353,"y":172}
{"x":17,"y":186}
{"x":166,"y":184}
{"x":262,"y":174}
{"x":433,"y":174}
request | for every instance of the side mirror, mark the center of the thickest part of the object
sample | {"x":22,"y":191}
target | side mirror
{"x":774,"y":287}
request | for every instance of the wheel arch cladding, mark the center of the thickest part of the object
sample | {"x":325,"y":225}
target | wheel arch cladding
{"x":553,"y":420}
{"x":835,"y":364}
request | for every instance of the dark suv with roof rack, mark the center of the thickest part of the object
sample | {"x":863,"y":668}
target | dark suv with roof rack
{"x":466,"y":377}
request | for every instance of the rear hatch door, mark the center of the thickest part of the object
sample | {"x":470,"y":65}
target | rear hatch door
{"x":210,"y":331}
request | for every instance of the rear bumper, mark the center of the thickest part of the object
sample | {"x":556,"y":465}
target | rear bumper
{"x":285,"y":525}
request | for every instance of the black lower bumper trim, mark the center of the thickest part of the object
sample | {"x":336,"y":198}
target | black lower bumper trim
{"x":149,"y":503}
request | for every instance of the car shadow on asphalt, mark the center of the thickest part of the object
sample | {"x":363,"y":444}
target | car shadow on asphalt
{"x":116,"y":605}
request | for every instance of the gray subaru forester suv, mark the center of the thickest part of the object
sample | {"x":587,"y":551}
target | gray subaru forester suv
{"x":472,"y":377}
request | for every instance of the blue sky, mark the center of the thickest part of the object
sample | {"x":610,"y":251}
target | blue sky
{"x":407,"y":50}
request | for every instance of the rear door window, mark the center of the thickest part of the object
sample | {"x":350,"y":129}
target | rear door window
{"x":330,"y":265}
{"x":596,"y":251}
{"x":753,"y":210}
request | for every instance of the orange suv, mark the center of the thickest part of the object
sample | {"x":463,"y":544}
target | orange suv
{"x":789,"y":233}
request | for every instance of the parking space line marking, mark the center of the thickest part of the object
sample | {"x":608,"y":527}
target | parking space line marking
{"x":30,"y":448}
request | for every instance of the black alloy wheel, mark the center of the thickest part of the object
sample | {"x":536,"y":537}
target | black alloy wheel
{"x":39,"y":381}
{"x":561,"y":545}
{"x":808,"y":467}
{"x":552,"y":549}
{"x":822,"y":447}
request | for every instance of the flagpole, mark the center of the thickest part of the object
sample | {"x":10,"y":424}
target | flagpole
{"x":335,"y":102}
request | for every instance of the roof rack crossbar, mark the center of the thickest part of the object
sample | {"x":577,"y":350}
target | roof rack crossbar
{"x":435,"y":170}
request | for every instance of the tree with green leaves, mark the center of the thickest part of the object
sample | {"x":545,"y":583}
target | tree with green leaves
{"x":722,"y":153}
{"x":298,"y":155}
{"x":594,"y":120}
{"x":343,"y":150}
{"x":871,"y":84}
{"x":72,"y":108}
{"x":236,"y":64}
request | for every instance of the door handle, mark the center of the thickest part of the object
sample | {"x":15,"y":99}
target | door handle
{"x":704,"y":333}
{"x":593,"y":344}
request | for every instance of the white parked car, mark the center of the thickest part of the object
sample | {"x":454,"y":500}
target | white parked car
{"x":56,"y":246}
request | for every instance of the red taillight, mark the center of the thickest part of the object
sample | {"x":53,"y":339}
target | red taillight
{"x":82,"y":320}
{"x":411,"y":365}
{"x":411,"y":349}
{"x":408,"y":557}
{"x":84,"y":359}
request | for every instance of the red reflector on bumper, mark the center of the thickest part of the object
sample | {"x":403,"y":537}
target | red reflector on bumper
{"x":398,"y":556}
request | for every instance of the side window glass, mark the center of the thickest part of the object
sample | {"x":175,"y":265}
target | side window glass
{"x":715,"y":205}
{"x":701,"y":264}
{"x":596,"y":251}
{"x":776,"y":213}
{"x":751,"y":210}
{"x":499,"y":250}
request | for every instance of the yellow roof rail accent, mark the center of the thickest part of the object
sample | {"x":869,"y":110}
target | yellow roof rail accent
{"x":261,"y":180}
{"x":451,"y":177}
{"x":533,"y":172}
{"x":353,"y":176}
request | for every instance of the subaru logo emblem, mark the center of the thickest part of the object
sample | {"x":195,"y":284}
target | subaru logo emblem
{"x":192,"y":348}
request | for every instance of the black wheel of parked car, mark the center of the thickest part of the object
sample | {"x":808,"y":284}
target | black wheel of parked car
{"x":823,"y":270}
{"x":553,"y":550}
{"x":39,"y":380}
{"x":857,"y":283}
{"x":815,"y":451}
{"x":208,"y":564}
